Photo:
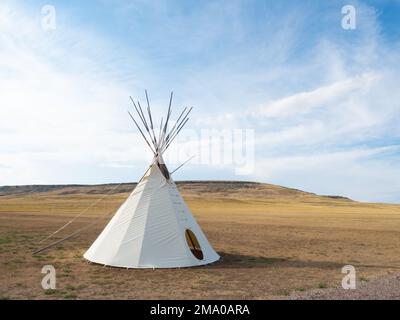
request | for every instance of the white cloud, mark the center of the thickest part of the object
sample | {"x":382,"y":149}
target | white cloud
{"x":355,"y":173}
{"x":305,"y":102}
{"x":53,"y":115}
{"x":317,"y":160}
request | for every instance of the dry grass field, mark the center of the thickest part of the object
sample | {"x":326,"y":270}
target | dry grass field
{"x":273,"y":241}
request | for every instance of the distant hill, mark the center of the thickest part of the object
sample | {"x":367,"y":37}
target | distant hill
{"x":231,"y":189}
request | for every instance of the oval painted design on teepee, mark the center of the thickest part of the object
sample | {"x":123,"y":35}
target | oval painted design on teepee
{"x":193,"y":244}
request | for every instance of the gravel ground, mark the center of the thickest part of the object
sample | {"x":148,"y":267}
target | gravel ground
{"x":385,"y":288}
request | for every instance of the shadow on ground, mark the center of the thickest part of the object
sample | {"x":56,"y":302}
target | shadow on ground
{"x":235,"y":260}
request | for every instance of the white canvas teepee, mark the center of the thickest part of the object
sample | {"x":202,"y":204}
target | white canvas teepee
{"x":154,"y":227}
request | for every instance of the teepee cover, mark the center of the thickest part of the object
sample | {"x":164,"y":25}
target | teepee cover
{"x":154,"y":227}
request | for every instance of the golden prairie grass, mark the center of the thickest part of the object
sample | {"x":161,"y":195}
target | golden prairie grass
{"x":272,"y":241}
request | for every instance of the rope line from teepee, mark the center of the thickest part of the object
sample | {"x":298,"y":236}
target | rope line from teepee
{"x":72,"y":234}
{"x":80,"y":214}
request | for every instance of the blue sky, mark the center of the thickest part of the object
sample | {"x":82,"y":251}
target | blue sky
{"x":323,"y":101}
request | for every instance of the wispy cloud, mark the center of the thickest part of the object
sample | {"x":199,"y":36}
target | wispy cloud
{"x":57,"y":113}
{"x":322,"y":97}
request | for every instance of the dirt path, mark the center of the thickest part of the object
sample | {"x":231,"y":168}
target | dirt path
{"x":384,"y":288}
